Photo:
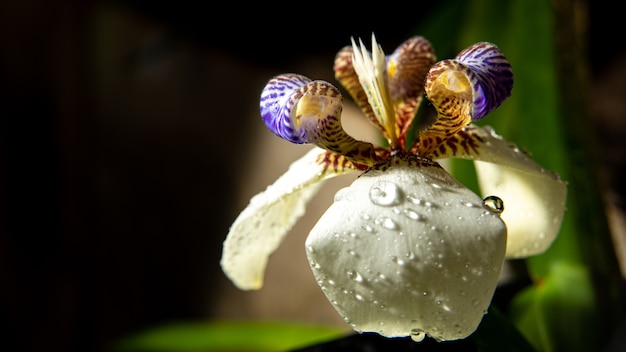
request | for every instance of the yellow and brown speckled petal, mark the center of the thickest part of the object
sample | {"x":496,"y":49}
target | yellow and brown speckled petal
{"x":465,"y":89}
{"x":407,"y":67}
{"x":450,"y":91}
{"x":318,"y":114}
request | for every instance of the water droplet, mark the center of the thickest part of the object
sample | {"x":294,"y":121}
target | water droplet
{"x":413,"y":215}
{"x":397,"y":260}
{"x":385,"y":193}
{"x":470,"y":205}
{"x":353,"y":253}
{"x":358,"y":297}
{"x":389,"y":224}
{"x":355,"y":275}
{"x":413,"y":200}
{"x":436,"y":185}
{"x":365,"y":216}
{"x":417,"y":335}
{"x":368,"y":228}
{"x":494,"y":204}
{"x":342,"y":194}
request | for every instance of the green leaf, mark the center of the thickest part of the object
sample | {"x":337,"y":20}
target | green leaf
{"x":578,"y":297}
{"x":557,"y":312}
{"x":496,"y":333}
{"x":227,"y":337}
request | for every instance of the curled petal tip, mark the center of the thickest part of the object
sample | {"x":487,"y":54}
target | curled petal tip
{"x":277,"y":106}
{"x":480,"y":76}
{"x":289,"y":99}
{"x":491,"y":76}
{"x":301,"y":110}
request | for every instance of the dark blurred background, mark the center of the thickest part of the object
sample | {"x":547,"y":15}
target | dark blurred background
{"x":126,"y":129}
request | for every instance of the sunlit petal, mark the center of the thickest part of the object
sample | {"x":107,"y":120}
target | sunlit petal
{"x":261,"y":226}
{"x":345,"y":74}
{"x":534,"y":198}
{"x":372,"y":72}
{"x":407,"y":250}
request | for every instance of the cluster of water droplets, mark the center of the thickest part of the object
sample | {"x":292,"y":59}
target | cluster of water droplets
{"x":388,"y":259}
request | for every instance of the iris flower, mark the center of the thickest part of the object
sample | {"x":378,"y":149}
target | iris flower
{"x":406,"y":249}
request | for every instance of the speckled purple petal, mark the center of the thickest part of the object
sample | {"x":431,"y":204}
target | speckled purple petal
{"x":491,"y":78}
{"x":278,"y":100}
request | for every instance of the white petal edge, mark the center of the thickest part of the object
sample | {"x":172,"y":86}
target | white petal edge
{"x":261,"y":226}
{"x":534,"y":198}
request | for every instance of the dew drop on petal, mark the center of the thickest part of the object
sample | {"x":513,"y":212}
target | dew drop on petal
{"x":385,"y":193}
{"x":417,"y":335}
{"x":397,"y":260}
{"x":411,"y":214}
{"x":389,"y":224}
{"x":494,"y":204}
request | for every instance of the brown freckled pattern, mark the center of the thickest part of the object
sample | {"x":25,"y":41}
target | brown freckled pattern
{"x":412,"y":160}
{"x":453,"y":107}
{"x":409,"y":65}
{"x":464,"y":144}
{"x":324,"y":129}
{"x":334,"y":162}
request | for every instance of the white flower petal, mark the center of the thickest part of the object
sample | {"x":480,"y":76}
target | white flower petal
{"x":407,"y":250}
{"x":534,"y":198}
{"x":534,"y":205}
{"x":261,"y":226}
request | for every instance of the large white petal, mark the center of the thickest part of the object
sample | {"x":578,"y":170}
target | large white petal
{"x":534,"y":198}
{"x":407,"y":250}
{"x":261,"y":226}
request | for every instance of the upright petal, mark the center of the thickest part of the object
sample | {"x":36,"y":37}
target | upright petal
{"x":534,"y":198}
{"x":372,"y":72}
{"x":261,"y":226}
{"x":407,"y":67}
{"x":346,"y":75}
